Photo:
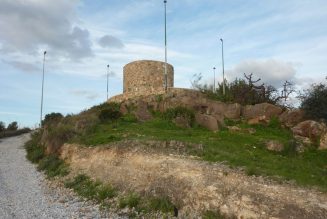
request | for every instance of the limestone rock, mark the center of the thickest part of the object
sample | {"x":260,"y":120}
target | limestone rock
{"x":207,"y":121}
{"x":230,"y":111}
{"x":258,"y":120}
{"x":310,"y":129}
{"x":290,"y":118}
{"x":274,"y":145}
{"x":263,"y":109}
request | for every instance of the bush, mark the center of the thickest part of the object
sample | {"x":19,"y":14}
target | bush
{"x":35,"y":152}
{"x":12,"y":126}
{"x":53,"y":166}
{"x":109,"y":112}
{"x":52,"y":118}
{"x":314,"y":102}
{"x":179,"y":111}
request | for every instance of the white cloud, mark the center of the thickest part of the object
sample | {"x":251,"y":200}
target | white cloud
{"x":90,"y":95}
{"x":271,"y":71}
{"x":29,"y":26}
{"x":108,"y":41}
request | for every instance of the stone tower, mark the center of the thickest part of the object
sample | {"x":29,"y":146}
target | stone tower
{"x":146,"y":77}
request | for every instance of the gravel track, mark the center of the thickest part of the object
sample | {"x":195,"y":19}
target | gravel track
{"x":25,"y":193}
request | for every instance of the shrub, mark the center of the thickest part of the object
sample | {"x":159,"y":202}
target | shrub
{"x":109,"y":112}
{"x":52,"y":118}
{"x":180,"y":112}
{"x":53,"y":166}
{"x":12,"y":126}
{"x":58,"y":135}
{"x":35,"y":152}
{"x":314,"y":102}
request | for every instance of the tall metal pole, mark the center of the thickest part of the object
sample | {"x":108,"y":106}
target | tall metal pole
{"x":108,"y":81}
{"x":214,"y":79}
{"x":45,"y":52}
{"x":222,"y":56}
{"x":166,"y":79}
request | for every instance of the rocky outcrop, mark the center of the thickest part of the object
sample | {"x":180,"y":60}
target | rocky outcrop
{"x":310,"y":129}
{"x":290,"y":118}
{"x":142,"y":112}
{"x":207,"y":121}
{"x":263,"y":109}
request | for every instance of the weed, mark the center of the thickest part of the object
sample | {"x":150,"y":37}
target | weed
{"x":131,"y":200}
{"x":162,"y":204}
{"x":87,"y":188}
{"x":213,"y":215}
{"x":274,"y":123}
{"x":53,"y":166}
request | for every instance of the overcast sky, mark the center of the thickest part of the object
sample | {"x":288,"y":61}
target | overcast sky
{"x":274,"y":40}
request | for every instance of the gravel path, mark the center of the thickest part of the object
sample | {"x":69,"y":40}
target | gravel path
{"x":24,"y":192}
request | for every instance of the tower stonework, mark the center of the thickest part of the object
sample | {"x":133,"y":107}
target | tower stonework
{"x":146,"y":77}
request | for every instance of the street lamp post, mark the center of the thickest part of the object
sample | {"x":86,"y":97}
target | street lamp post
{"x":222,"y":57}
{"x":214,"y":79}
{"x":45,"y":52}
{"x":166,"y":79}
{"x":108,"y":81}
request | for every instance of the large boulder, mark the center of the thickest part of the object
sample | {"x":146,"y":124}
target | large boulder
{"x":290,"y":118}
{"x":310,"y":129}
{"x":207,"y":121}
{"x":263,"y":109}
{"x":230,"y":111}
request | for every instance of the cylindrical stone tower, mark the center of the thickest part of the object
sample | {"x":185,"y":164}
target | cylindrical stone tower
{"x":147,"y":77}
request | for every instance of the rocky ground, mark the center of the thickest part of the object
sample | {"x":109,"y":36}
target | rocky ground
{"x":195,"y":186}
{"x":25,"y":193}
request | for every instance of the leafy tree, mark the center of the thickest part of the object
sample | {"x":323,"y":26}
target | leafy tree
{"x":12,"y":126}
{"x":2,"y":126}
{"x":314,"y":101}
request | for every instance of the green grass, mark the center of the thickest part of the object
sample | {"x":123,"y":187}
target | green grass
{"x":215,"y":215}
{"x":239,"y":149}
{"x":89,"y":189}
{"x":162,"y":204}
{"x":132,"y":200}
{"x":53,"y":166}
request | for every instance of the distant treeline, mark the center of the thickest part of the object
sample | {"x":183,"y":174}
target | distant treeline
{"x":11,"y":130}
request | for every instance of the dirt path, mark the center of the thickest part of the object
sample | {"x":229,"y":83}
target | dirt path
{"x":24,"y":192}
{"x":196,"y":186}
